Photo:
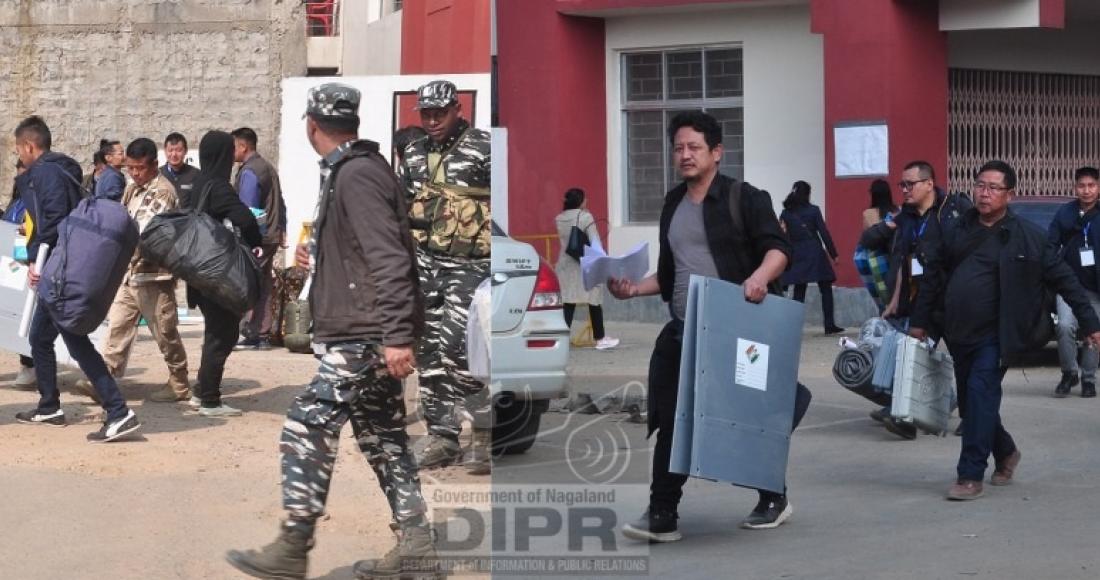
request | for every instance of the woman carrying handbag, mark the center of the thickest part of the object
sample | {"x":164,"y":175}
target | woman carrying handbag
{"x":574,"y":217}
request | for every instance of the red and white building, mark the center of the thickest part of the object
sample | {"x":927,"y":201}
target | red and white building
{"x":586,"y":87}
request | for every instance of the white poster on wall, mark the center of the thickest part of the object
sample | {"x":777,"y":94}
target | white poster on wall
{"x":862,"y":149}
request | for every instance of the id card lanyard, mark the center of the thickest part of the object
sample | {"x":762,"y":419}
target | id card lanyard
{"x":1087,"y":256}
{"x":915,"y":267}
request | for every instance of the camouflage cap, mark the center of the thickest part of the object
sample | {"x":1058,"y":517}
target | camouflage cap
{"x":333,"y":100}
{"x":436,"y":95}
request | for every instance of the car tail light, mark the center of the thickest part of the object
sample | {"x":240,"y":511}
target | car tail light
{"x":547,"y":294}
{"x":541,"y":343}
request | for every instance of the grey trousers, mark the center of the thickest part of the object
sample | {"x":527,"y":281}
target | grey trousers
{"x":1068,"y":349}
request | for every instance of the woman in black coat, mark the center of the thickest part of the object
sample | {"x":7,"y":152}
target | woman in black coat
{"x":221,"y":326}
{"x":806,"y":229}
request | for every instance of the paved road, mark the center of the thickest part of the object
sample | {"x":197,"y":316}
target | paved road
{"x":867,"y":505}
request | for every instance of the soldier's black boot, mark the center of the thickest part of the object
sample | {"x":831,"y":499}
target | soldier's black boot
{"x":1069,"y":380}
{"x":1088,"y":389}
{"x":480,"y":460}
{"x":413,"y":557}
{"x":284,"y":559}
{"x":440,"y":452}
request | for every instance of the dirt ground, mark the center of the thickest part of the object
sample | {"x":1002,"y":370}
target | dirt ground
{"x":169,"y":503}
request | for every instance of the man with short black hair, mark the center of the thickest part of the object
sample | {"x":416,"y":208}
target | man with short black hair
{"x":147,"y":290}
{"x":994,"y":274}
{"x":111,"y":182}
{"x":257,"y":184}
{"x":901,"y":236}
{"x":451,"y":263}
{"x":697,"y":236}
{"x":404,"y":137}
{"x":367,"y":317}
{"x":51,"y":189}
{"x":176,"y":168}
{"x":1075,"y":231}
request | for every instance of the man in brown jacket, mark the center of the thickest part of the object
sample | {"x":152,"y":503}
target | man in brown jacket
{"x":367,"y":317}
{"x":147,"y":290}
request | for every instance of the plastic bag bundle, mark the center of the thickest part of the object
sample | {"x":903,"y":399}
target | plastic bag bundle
{"x":873,"y":331}
{"x":885,"y":361}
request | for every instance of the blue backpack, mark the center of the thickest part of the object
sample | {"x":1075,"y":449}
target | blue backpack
{"x":15,"y":212}
{"x":82,"y":274}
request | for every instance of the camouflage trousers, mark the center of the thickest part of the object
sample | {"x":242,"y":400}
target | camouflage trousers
{"x":351,"y":384}
{"x":446,"y":385}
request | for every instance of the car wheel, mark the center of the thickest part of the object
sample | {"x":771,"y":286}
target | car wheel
{"x":516,"y":425}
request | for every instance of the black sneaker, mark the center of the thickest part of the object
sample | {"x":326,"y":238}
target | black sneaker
{"x":112,"y":430}
{"x":1088,"y":389}
{"x":36,"y":417}
{"x":263,"y":344}
{"x":881,"y":415}
{"x":655,"y":525}
{"x":1069,"y":380}
{"x":768,"y":514}
{"x":902,"y":429}
{"x":831,"y":330}
{"x":248,"y":344}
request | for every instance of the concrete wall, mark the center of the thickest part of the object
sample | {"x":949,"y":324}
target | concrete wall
{"x":1069,"y":51}
{"x":988,"y":14}
{"x":133,"y":68}
{"x":372,"y":41}
{"x":784,"y":106}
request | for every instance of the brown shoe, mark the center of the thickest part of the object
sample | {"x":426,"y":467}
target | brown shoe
{"x":167,"y":395}
{"x":1003,"y":474}
{"x":965,"y":489}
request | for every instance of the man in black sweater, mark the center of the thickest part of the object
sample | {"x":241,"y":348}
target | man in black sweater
{"x":995,"y":275}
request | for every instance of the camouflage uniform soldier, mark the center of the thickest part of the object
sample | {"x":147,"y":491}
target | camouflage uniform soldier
{"x":366,"y":309}
{"x":452,"y":162}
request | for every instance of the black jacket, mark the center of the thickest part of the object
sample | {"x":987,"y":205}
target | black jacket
{"x":216,"y":158}
{"x":1030,"y":272}
{"x":1066,"y":233}
{"x":736,"y":254}
{"x":51,"y":189}
{"x":902,"y":242}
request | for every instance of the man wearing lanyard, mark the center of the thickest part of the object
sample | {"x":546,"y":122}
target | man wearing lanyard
{"x":1071,"y":232}
{"x":901,"y":237}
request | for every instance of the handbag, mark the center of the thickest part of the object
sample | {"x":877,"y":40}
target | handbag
{"x":577,"y":241}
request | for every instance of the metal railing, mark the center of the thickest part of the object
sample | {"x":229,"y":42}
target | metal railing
{"x":322,"y":17}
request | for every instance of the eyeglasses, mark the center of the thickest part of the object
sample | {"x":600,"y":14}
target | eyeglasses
{"x":907,"y":185}
{"x":991,"y":187}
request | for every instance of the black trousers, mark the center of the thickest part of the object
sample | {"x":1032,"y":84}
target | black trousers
{"x":666,"y":488}
{"x":218,"y":340}
{"x":594,"y":312}
{"x":826,"y":289}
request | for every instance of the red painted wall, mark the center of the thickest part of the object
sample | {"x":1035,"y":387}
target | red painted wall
{"x":552,"y":101}
{"x":445,"y":36}
{"x":883,"y":60}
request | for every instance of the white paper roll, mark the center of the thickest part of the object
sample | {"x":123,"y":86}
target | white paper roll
{"x":32,"y":296}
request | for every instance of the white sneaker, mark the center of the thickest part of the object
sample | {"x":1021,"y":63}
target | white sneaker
{"x":195,"y":402}
{"x":222,"y":411}
{"x":607,"y":343}
{"x":25,"y":379}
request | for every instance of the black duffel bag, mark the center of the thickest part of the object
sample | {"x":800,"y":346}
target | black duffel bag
{"x":204,"y":253}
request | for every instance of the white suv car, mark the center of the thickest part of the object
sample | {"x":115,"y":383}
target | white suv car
{"x":530,"y":342}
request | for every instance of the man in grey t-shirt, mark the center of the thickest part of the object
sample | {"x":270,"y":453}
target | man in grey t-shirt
{"x":699,"y":235}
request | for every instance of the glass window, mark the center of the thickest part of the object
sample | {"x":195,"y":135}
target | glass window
{"x":656,"y":86}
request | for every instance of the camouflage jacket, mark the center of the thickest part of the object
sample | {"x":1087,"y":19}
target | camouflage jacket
{"x":143,"y":202}
{"x":468,"y":164}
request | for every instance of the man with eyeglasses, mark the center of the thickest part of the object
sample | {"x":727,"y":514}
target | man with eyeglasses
{"x":995,"y":275}
{"x":1075,"y":232}
{"x":900,"y":238}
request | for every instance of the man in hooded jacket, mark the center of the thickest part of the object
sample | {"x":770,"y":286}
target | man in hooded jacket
{"x":212,"y":188}
{"x":51,"y":189}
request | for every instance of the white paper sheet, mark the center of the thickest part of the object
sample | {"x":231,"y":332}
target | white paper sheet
{"x":752,"y":364}
{"x":597,"y":267}
{"x":861,"y":150}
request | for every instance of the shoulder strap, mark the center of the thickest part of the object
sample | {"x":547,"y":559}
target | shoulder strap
{"x":443,"y":157}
